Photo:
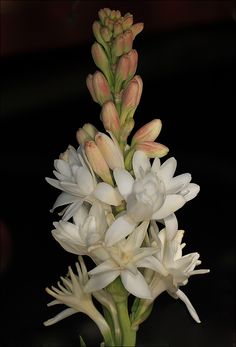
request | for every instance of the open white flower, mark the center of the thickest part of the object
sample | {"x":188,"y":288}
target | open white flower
{"x":124,"y":259}
{"x":154,"y":194}
{"x":178,"y":268}
{"x":78,"y":183}
{"x":87,"y":230}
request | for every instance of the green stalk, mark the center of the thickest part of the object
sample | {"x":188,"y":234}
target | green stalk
{"x":128,"y":334}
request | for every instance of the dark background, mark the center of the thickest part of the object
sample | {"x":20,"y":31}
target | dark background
{"x":187,"y":62}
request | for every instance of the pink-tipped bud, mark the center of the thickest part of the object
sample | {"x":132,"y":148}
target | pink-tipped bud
{"x":110,"y":151}
{"x":122,"y":71}
{"x":90,"y":130}
{"x":133,"y":62}
{"x":109,"y":23}
{"x":152,"y":149}
{"x":101,"y":88}
{"x":148,"y":132}
{"x":106,"y":34}
{"x":113,"y":14}
{"x":97,"y":161}
{"x":127,"y":21}
{"x":117,"y":29}
{"x":118,"y":46}
{"x":89,"y":82}
{"x":128,"y":41}
{"x":110,"y":118}
{"x":118,"y":14}
{"x":97,"y":32}
{"x":82,"y":136}
{"x":100,"y":58}
{"x":136,"y":29}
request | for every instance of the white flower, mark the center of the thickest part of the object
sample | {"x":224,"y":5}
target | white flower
{"x":87,"y":230}
{"x":154,"y":194}
{"x":78,"y":183}
{"x":178,"y":268}
{"x":124,"y":259}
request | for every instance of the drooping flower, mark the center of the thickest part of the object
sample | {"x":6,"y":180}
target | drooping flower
{"x":123,"y":260}
{"x":87,"y":230}
{"x":178,"y":267}
{"x":78,"y":183}
{"x":154,"y":194}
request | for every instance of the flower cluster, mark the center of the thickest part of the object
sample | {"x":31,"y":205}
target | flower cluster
{"x":115,"y":195}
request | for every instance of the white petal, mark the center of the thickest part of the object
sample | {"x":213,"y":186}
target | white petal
{"x":171,"y":225}
{"x":172,"y":203}
{"x":178,"y":183}
{"x":191,"y":191}
{"x":167,"y":169}
{"x":188,"y":304}
{"x":72,"y":210}
{"x":153,"y":263}
{"x":53,"y":182}
{"x":119,"y":229}
{"x":136,"y":284}
{"x":72,"y":188}
{"x":107,"y":265}
{"x":64,"y":199}
{"x":136,"y":238}
{"x":124,"y":181}
{"x":63,"y":167}
{"x":100,"y":281}
{"x":106,"y":193}
{"x":64,"y":314}
{"x":156,"y":165}
{"x":81,"y":215}
{"x":141,"y":164}
{"x":84,"y":180}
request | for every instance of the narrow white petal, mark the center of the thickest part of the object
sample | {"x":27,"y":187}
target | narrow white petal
{"x":188,"y":304}
{"x":178,"y":183}
{"x":153,"y":263}
{"x":141,"y":164}
{"x":171,"y":225}
{"x":107,"y":265}
{"x":63,"y":167}
{"x":136,"y":238}
{"x":124,"y":182}
{"x":119,"y":229}
{"x":136,"y":284}
{"x":64,"y":199}
{"x":72,"y":210}
{"x":106,"y":193}
{"x":100,"y":281}
{"x":199,"y":272}
{"x":64,"y":314}
{"x":167,"y":169}
{"x":84,"y":180}
{"x":81,"y":215}
{"x":156,"y":165}
{"x":53,"y":182}
{"x":171,"y":204}
{"x":191,"y":191}
{"x":72,"y":188}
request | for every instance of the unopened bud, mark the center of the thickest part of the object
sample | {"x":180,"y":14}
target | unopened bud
{"x":133,"y":62}
{"x":102,"y":15}
{"x":107,"y":11}
{"x":148,"y":132}
{"x":89,"y":82}
{"x":90,"y":130}
{"x":82,"y":136}
{"x":97,"y":161}
{"x":126,"y":130}
{"x":110,"y":151}
{"x":106,"y":34}
{"x":100,"y":59}
{"x":127,"y":21}
{"x":136,"y":29}
{"x":130,"y":98}
{"x":97,"y":32}
{"x":118,"y":46}
{"x":118,"y":14}
{"x":109,"y":23}
{"x":117,"y":29}
{"x":110,"y":118}
{"x":152,"y":149}
{"x":113,"y":14}
{"x":128,"y":41}
{"x":122,"y":71}
{"x":101,"y":88}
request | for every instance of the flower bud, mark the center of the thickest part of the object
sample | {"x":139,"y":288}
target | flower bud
{"x":117,"y":29}
{"x":82,"y":136}
{"x":90,"y":130}
{"x":122,"y":71}
{"x":107,"y":11}
{"x":118,"y":46}
{"x":101,"y":88}
{"x":89,"y":82}
{"x":127,"y":21}
{"x":126,"y":130}
{"x":113,"y":14}
{"x":110,"y":118}
{"x":130,"y":98}
{"x":109,"y":23}
{"x":133,"y":62}
{"x":97,"y":161}
{"x":128,"y":41}
{"x":110,"y":150}
{"x":97,"y":32}
{"x":152,"y":149}
{"x":136,"y":29}
{"x":100,"y":59}
{"x":102,"y":15}
{"x":118,"y":14}
{"x":148,"y":132}
{"x":106,"y":34}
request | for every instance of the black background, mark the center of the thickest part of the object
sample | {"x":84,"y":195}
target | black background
{"x":188,"y":84}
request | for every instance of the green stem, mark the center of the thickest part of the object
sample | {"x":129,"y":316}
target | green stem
{"x":128,"y":334}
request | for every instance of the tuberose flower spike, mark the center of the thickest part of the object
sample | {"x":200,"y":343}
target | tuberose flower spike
{"x":113,"y":198}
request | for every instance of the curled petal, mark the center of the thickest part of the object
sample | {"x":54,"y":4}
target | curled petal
{"x":188,"y":304}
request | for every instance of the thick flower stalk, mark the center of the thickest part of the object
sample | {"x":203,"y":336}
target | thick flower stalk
{"x":115,"y":191}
